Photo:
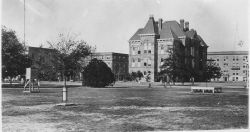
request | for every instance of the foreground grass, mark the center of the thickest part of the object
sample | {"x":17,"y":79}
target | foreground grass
{"x":124,"y":109}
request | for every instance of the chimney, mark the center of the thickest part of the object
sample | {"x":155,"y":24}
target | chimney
{"x":160,"y":24}
{"x":186,"y":26}
{"x":182,"y":24}
{"x":151,"y":16}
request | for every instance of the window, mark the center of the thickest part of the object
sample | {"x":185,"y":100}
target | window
{"x":217,"y":59}
{"x":133,"y":62}
{"x":192,"y":51}
{"x":145,"y":64}
{"x":145,"y":72}
{"x":139,"y":62}
{"x":233,"y":79}
{"x":149,"y":51}
{"x":139,"y":52}
{"x":108,"y":57}
{"x":149,"y":46}
{"x":233,"y":73}
{"x":149,"y":62}
{"x":145,"y":47}
{"x":145,"y":51}
{"x":236,"y":73}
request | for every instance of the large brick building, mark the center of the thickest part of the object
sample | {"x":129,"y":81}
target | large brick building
{"x":117,"y":62}
{"x":42,"y":59}
{"x":149,"y":46}
{"x":233,"y":64}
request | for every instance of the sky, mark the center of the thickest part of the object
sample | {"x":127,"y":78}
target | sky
{"x":109,"y":24}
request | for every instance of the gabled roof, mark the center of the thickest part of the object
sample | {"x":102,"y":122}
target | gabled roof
{"x":176,"y":28}
{"x":151,"y":27}
{"x":171,"y":29}
{"x":167,"y":32}
{"x":202,"y":41}
{"x":191,"y":33}
{"x":136,"y":35}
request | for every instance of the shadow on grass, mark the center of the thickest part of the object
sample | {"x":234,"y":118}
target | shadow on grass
{"x":42,"y":86}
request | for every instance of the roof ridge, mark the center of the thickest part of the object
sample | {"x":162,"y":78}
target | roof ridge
{"x":172,"y":33}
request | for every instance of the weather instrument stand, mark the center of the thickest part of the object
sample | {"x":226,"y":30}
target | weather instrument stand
{"x":31,"y":84}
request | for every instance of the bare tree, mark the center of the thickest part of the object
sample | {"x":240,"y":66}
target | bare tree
{"x":69,"y":52}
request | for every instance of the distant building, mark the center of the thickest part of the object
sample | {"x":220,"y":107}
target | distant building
{"x":118,"y":62}
{"x":149,"y":46}
{"x":42,"y":60}
{"x":234,"y":64}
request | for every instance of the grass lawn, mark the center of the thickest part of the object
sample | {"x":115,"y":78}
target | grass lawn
{"x":124,"y":108}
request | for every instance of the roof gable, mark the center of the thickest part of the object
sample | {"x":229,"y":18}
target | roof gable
{"x":171,"y":29}
{"x":150,"y":27}
{"x":167,"y":32}
{"x":136,"y":35}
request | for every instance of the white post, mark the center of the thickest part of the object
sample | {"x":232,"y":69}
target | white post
{"x":65,"y":96}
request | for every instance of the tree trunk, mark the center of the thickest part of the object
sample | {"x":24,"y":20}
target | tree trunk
{"x":10,"y":81}
{"x":65,"y":79}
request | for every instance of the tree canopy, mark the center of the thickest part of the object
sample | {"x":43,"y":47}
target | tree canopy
{"x":14,"y":60}
{"x":173,"y":66}
{"x":69,"y":52}
{"x":97,"y":74}
{"x":212,"y":71}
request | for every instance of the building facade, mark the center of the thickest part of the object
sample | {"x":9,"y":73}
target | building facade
{"x":117,"y":62}
{"x":42,"y":60}
{"x":149,"y":46}
{"x":234,"y":65}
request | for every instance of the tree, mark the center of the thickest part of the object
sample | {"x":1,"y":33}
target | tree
{"x":173,"y":67}
{"x":98,"y":74}
{"x":69,"y":53}
{"x":212,"y":71}
{"x":139,"y":74}
{"x":14,"y":60}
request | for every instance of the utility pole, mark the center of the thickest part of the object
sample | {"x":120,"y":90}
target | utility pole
{"x":24,"y":22}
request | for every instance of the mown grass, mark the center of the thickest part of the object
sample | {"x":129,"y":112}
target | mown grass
{"x":127,"y":108}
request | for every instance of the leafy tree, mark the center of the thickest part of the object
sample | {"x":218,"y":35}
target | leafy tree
{"x":133,"y":75}
{"x":98,"y":74}
{"x":212,"y":71}
{"x":136,"y":75}
{"x":69,"y":52}
{"x":139,"y":74}
{"x":173,"y":67}
{"x":14,"y":60}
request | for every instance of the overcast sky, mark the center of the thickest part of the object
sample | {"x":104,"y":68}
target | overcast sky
{"x":109,"y":24}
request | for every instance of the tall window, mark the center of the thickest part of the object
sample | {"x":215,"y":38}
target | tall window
{"x":139,"y":62}
{"x":133,"y":62}
{"x":149,"y":62}
{"x":192,"y":51}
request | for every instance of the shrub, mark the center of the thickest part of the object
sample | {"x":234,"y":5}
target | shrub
{"x":97,"y":74}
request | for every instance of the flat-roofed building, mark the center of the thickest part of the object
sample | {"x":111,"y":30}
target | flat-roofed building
{"x":118,"y":62}
{"x":234,"y":64}
{"x":43,"y":59}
